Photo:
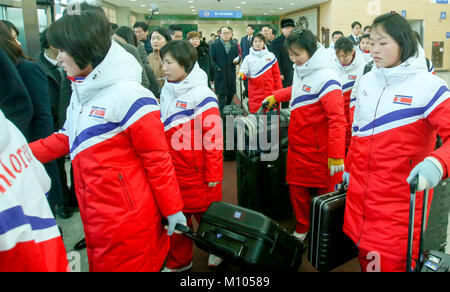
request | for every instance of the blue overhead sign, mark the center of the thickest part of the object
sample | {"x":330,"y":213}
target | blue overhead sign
{"x":220,"y":14}
{"x":441,"y":1}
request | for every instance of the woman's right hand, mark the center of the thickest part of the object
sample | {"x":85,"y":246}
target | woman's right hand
{"x":269,"y":102}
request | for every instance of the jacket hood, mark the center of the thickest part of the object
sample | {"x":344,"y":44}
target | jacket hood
{"x":413,"y":65}
{"x":196,"y":78}
{"x":118,"y":65}
{"x":5,"y":134}
{"x":259,"y":53}
{"x":320,"y":60}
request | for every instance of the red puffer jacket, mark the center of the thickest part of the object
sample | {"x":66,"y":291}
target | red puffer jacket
{"x":193,"y":129}
{"x":261,"y":69}
{"x":124,"y":177}
{"x":398,"y":111}
{"x":317,"y":125}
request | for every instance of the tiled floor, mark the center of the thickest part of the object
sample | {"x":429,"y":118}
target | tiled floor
{"x":73,"y":229}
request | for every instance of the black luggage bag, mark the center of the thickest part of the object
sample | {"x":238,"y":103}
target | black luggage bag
{"x":262,"y":185}
{"x":437,"y":224}
{"x":329,"y":246}
{"x":429,"y":260}
{"x":235,"y":111}
{"x":246,"y":238}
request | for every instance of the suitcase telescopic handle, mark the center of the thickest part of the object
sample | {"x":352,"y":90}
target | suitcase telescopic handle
{"x":185,"y":230}
{"x":414,"y":184}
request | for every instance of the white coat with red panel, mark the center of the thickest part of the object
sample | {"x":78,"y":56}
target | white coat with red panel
{"x":29,"y":237}
{"x":317,"y":125}
{"x":193,"y":128}
{"x":398,"y":112}
{"x":262,"y":70}
{"x":124,"y":177}
{"x":348,"y":76}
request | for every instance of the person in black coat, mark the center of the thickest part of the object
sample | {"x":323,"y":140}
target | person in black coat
{"x":204,"y":59}
{"x":15,"y":101}
{"x":47,"y":60}
{"x":224,"y":57}
{"x":285,"y":63}
{"x":41,"y":123}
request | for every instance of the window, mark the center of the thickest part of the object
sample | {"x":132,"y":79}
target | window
{"x":111,"y":14}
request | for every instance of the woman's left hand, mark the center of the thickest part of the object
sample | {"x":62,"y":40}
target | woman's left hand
{"x":213,"y":184}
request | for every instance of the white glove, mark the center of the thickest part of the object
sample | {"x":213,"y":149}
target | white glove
{"x":346,"y":178}
{"x":174,"y":220}
{"x":430,"y":172}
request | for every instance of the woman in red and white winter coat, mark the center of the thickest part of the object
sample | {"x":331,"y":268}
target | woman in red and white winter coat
{"x":349,"y":66}
{"x":399,"y":108}
{"x":317,"y":125}
{"x":193,"y":128}
{"x":261,"y":68}
{"x":124,"y":177}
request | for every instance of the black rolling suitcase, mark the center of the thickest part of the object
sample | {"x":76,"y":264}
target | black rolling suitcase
{"x":329,"y":246}
{"x":246,"y":238}
{"x":429,"y":260}
{"x":437,"y":224}
{"x":233,"y":110}
{"x":262,"y":185}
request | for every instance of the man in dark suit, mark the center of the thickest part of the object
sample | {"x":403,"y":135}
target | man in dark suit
{"x":356,"y":31}
{"x":246,"y":42}
{"x":224,"y":57}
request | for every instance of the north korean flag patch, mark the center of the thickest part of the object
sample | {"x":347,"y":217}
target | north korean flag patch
{"x":181,"y":104}
{"x":352,"y":77}
{"x":307,"y":88}
{"x":97,"y":112}
{"x":401,"y":99}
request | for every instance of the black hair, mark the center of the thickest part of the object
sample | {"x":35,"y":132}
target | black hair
{"x":344,"y":44}
{"x":302,"y":39}
{"x":142,"y":25}
{"x":337,"y":32}
{"x":84,"y":36}
{"x":259,"y":36}
{"x":173,"y":28}
{"x":356,"y":23}
{"x":252,"y":26}
{"x":162,"y":31}
{"x":274,"y":31}
{"x":183,"y":52}
{"x":43,"y":40}
{"x":367,"y":27}
{"x":364,"y":36}
{"x":114,"y":28}
{"x":128,"y":35}
{"x":399,"y":29}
